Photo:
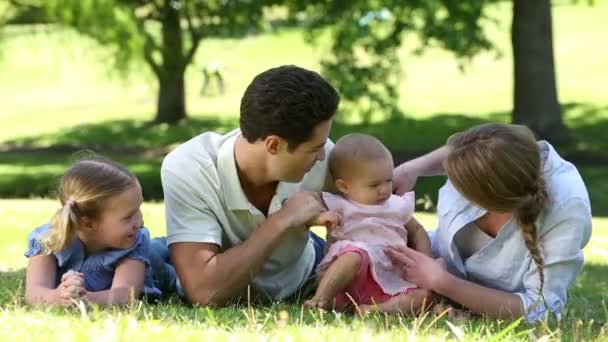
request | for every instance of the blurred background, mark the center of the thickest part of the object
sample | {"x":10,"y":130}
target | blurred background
{"x":132,"y":79}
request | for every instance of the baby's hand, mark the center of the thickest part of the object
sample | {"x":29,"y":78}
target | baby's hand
{"x":329,"y":219}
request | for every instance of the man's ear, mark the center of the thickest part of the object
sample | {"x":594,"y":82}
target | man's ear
{"x":342,"y":186}
{"x":274,"y":144}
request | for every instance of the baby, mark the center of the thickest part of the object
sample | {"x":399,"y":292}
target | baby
{"x":355,"y":269}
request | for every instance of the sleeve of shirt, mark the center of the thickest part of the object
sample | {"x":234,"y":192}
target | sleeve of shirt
{"x":561,"y":239}
{"x":189,"y":218}
{"x":34,"y":247}
{"x":141,"y":249}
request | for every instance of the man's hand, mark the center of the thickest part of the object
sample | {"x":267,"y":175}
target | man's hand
{"x":328,"y":219}
{"x":302,"y":208}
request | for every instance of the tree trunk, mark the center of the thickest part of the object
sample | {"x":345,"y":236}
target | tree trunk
{"x":535,"y":90}
{"x":171,"y":91}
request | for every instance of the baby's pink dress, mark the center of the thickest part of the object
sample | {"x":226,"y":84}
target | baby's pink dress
{"x":372,"y":228}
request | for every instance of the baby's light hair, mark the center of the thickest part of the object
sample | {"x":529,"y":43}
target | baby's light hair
{"x":84,"y":190}
{"x":353,"y":150}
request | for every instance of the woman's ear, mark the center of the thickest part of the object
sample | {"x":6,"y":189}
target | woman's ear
{"x":342,"y":186}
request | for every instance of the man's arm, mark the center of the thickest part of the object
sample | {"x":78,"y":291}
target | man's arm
{"x":406,"y":174}
{"x":211,"y":277}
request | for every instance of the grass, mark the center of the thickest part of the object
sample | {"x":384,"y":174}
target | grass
{"x":278,"y":321}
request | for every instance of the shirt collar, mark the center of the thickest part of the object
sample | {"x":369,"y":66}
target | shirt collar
{"x":234,"y":197}
{"x":548,"y":157}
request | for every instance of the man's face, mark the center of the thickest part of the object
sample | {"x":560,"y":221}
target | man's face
{"x":292,"y":166}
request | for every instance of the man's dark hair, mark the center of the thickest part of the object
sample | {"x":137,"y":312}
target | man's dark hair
{"x":287,"y":101}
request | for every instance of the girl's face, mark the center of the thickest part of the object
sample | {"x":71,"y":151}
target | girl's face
{"x":372,"y":183}
{"x":119,"y":222}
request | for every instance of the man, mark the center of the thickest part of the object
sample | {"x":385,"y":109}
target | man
{"x":238,"y":205}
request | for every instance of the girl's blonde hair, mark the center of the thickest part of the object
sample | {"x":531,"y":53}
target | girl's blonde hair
{"x":84,"y":189}
{"x":498,"y":167}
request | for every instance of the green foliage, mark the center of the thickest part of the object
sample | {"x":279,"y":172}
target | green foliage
{"x":107,"y":22}
{"x":367,"y":37}
{"x":134,"y":28}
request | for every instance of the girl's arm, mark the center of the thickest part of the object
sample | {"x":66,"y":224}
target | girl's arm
{"x":417,"y":237}
{"x":40,"y":283}
{"x":428,"y":273}
{"x":127,"y":284}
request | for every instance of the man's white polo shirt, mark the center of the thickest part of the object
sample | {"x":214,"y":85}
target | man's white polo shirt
{"x":204,"y":202}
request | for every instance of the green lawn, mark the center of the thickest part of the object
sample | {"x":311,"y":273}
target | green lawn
{"x":585,"y":319}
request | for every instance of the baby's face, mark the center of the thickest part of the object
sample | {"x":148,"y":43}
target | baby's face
{"x":372,"y":183}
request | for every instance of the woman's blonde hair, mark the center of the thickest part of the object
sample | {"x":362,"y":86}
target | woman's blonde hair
{"x":84,"y":189}
{"x":498,"y":167}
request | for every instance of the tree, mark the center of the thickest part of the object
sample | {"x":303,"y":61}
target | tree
{"x":366,"y":36}
{"x":166,"y":34}
{"x":535,"y":102}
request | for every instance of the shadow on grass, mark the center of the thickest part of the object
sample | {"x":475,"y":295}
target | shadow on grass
{"x":119,"y":136}
{"x":31,"y":166}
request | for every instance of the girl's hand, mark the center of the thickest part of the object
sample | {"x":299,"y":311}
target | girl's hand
{"x":417,"y":268}
{"x":71,"y":287}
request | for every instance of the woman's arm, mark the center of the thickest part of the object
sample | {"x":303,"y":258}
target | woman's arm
{"x":40,"y":283}
{"x":430,"y":164}
{"x":428,"y":273}
{"x":127,"y":284}
{"x":482,"y":300}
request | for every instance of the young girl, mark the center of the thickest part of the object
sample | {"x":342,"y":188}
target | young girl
{"x":95,"y":247}
{"x":355,"y":268}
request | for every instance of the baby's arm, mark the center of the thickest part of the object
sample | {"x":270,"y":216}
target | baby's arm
{"x":417,"y":237}
{"x":127,"y":284}
{"x":40,"y":283}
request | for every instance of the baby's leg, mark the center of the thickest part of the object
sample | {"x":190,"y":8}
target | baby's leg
{"x":339,"y":274}
{"x":409,"y":303}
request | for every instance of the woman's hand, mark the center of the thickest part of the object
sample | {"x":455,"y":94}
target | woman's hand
{"x":404,"y":178}
{"x":417,"y":268}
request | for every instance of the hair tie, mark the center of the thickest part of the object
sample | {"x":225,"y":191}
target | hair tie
{"x":70,"y":203}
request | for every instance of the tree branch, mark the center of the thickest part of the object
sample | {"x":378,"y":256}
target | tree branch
{"x":150,"y":45}
{"x":195,"y":36}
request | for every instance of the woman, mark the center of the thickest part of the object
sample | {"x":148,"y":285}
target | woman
{"x":513,"y":220}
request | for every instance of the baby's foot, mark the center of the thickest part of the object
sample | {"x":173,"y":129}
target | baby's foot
{"x":318,"y":302}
